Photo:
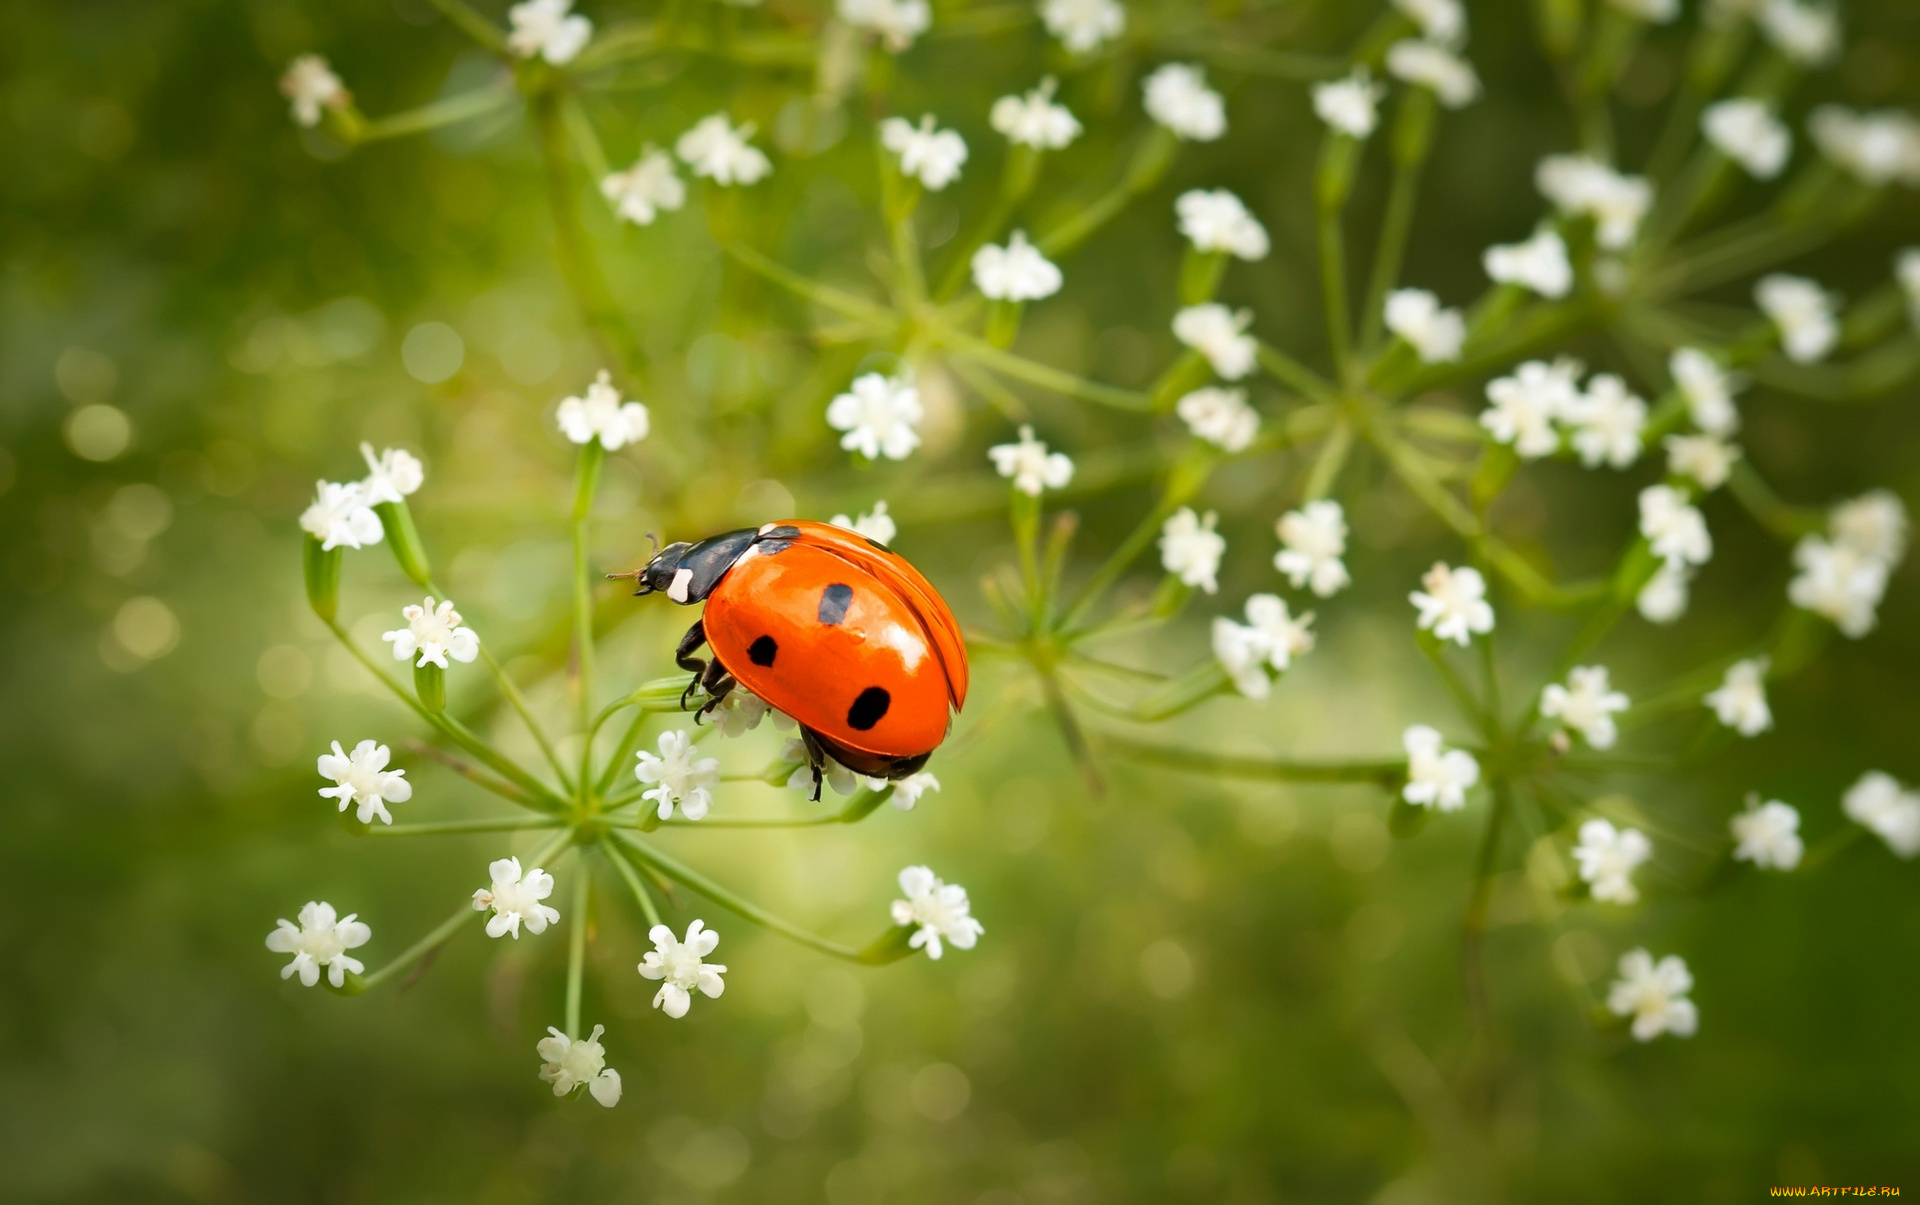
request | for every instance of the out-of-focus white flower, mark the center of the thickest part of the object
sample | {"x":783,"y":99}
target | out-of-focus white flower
{"x":1657,"y":12}
{"x":907,"y":791}
{"x":549,"y":29}
{"x":1540,"y":264}
{"x":1741,"y":699}
{"x":1664,"y":598}
{"x":939,"y":912}
{"x":740,"y":712}
{"x":1028,"y":463}
{"x":931,"y":156}
{"x":604,"y":415}
{"x":1585,"y":704}
{"x":433,"y":631}
{"x":879,"y":415}
{"x":1313,"y":541}
{"x":570,"y":1062}
{"x":1527,"y":405}
{"x":679,"y":964}
{"x":1435,"y":333}
{"x":1803,"y":312}
{"x":1453,"y":603}
{"x":643,"y":190}
{"x":1435,"y":68}
{"x":1220,"y":416}
{"x":1877,"y":803}
{"x":1191,"y":549}
{"x":1350,"y":105}
{"x":1219,"y":334}
{"x":1271,"y":638}
{"x":515,"y":899}
{"x":1608,"y":857}
{"x":1906,"y":270}
{"x":1809,"y":34}
{"x":342,"y":515}
{"x":1081,"y":25}
{"x":311,"y":85}
{"x":1875,"y":148}
{"x":1437,"y":777}
{"x":362,"y":778}
{"x":677,"y":776}
{"x":1873,"y":525}
{"x":1582,"y":185}
{"x":1839,"y":582}
{"x":1607,"y":422}
{"x":877,"y":525}
{"x":1216,"y":220}
{"x":1654,"y":995}
{"x":392,"y":474}
{"x":321,"y":939}
{"x":1707,"y":459}
{"x":717,"y":150}
{"x":1747,"y":132}
{"x":1178,"y":98}
{"x":1015,"y":272}
{"x":1767,"y":835}
{"x":1709,"y":390}
{"x":1674,"y":527}
{"x":1442,"y":21}
{"x":896,"y":22}
{"x":1034,"y":119}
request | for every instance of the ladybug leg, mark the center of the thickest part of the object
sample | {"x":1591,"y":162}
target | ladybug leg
{"x":816,"y":759}
{"x":684,"y":658}
{"x":718,"y":684}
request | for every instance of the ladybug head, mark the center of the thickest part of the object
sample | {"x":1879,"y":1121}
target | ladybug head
{"x":687,"y":573}
{"x":658,"y":575}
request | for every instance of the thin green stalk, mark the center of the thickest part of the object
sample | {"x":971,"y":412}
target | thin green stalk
{"x":586,"y":482}
{"x":577,"y":944}
{"x":1474,"y":925}
{"x":1463,"y":696}
{"x":578,"y":261}
{"x":743,"y":908}
{"x":440,"y":935}
{"x":450,"y":111}
{"x":504,"y":824}
{"x":1046,"y":376}
{"x":473,"y":24}
{"x":849,"y":305}
{"x":625,"y":870}
{"x":1383,"y":771}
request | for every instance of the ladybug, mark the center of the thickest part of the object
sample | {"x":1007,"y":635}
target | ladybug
{"x":836,"y":630}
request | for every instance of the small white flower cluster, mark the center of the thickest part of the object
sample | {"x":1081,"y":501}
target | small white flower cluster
{"x":1532,"y":409}
{"x":1582,"y":186}
{"x":569,"y":1063}
{"x":1540,"y":264}
{"x":547,"y":29}
{"x":895,"y":22}
{"x":877,"y":525}
{"x":435,"y":632}
{"x":1270,"y":639}
{"x":1350,"y":105}
{"x":1806,"y":31}
{"x":939,"y":912}
{"x":1178,"y":98}
{"x":1676,"y":532}
{"x":361,"y":778}
{"x":1029,"y":464}
{"x":1654,"y":995}
{"x":342,"y":513}
{"x":1740,"y":701}
{"x":714,"y":149}
{"x":1034,"y":119}
{"x":1452,"y":604}
{"x":1586,"y":703}
{"x":1220,"y":416}
{"x":1082,"y":25}
{"x":676,"y":776}
{"x":320,"y":940}
{"x":1806,"y":315}
{"x":1191,"y":549}
{"x":514,"y":899}
{"x":1843,"y":574}
{"x":1876,"y":149}
{"x":928,"y":154}
{"x":1217,"y":220}
{"x":1767,"y":835}
{"x":1437,"y":777}
{"x":603,"y":415}
{"x":681,"y":967}
{"x":1879,"y":804}
{"x":1015,"y":272}
{"x":1313,"y":541}
{"x":1435,"y":332}
{"x":1746,"y":131}
{"x":1220,"y":335}
{"x":1608,"y":856}
{"x":311,"y":86}
{"x":1437,"y":68}
{"x":879,"y":415}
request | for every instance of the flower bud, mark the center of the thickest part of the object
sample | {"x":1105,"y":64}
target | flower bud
{"x":323,"y":578}
{"x":404,"y":538}
{"x":890,"y":946}
{"x":430,"y":684}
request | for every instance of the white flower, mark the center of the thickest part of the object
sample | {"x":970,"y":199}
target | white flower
{"x":515,"y":899}
{"x":1664,"y":598}
{"x":1435,"y":333}
{"x":679,"y":964}
{"x":1838,"y":582}
{"x":571,"y":1062}
{"x":1217,"y":220}
{"x":1526,"y":405}
{"x":1806,"y":33}
{"x":362,"y":778}
{"x":1768,"y":835}
{"x":1907,"y":270}
{"x":311,"y":85}
{"x":1015,"y":272}
{"x":880,"y":416}
{"x":342,"y":514}
{"x":1081,"y":25}
{"x":1709,"y":390}
{"x":842,"y":781}
{"x":1586,"y":704}
{"x":1581,"y":184}
{"x":1191,"y":549}
{"x":1540,"y":264}
{"x":391,"y":475}
{"x":938,"y":911}
{"x":1350,"y":105}
{"x":1178,"y":98}
{"x":931,"y":156}
{"x":643,"y":190}
{"x":1877,"y":803}
{"x":907,"y":791}
{"x":604,"y":416}
{"x":897,"y":22}
{"x":718,"y":150}
{"x":1437,"y":777}
{"x":1803,"y":312}
{"x":1453,"y":603}
{"x":1654,"y":995}
{"x":1030,"y":465}
{"x":1873,"y":525}
{"x":1876,"y":148}
{"x":321,"y":939}
{"x":1741,"y":700}
{"x":1442,"y":21}
{"x":1435,"y":68}
{"x":740,"y":712}
{"x":1219,"y":334}
{"x":1607,"y":421}
{"x":1034,"y":120}
{"x":1220,"y":416}
{"x":1674,"y":527}
{"x":547,"y":28}
{"x":1707,"y":459}
{"x":1314,"y":538}
{"x":1658,"y":12}
{"x":1271,"y":637}
{"x":435,"y":633}
{"x":877,"y":525}
{"x":1608,"y":858}
{"x":1745,"y":131}
{"x":677,"y":776}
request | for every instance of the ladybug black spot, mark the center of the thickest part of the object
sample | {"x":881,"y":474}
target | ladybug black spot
{"x":869,"y":708}
{"x":834,"y":601}
{"x":763,"y":650}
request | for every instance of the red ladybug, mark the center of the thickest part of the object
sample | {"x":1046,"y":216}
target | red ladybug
{"x":836,"y":630}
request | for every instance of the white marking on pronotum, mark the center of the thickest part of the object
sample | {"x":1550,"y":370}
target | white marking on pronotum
{"x":767,"y":528}
{"x":678,"y":590}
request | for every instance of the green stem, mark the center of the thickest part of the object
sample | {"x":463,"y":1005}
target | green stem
{"x":1384,"y":771}
{"x":426,"y":945}
{"x":451,"y":111}
{"x":586,"y":481}
{"x":743,"y":908}
{"x":472,"y":24}
{"x":503,"y":824}
{"x":577,"y":944}
{"x":1412,"y":139}
{"x":625,"y":870}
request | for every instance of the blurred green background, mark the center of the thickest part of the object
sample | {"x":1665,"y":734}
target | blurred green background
{"x":1188,"y":990}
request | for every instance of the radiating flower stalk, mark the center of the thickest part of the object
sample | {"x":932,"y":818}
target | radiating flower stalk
{"x":1401,"y":378}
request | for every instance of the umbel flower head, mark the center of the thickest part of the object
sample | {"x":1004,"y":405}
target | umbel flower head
{"x":1540,"y":264}
{"x":1313,"y":540}
{"x":1879,"y":804}
{"x":1582,"y":186}
{"x":1434,"y":332}
{"x":1877,"y":149}
{"x":641,"y":192}
{"x":1015,"y":272}
{"x":1674,"y":527}
{"x":931,"y":156}
{"x":1707,"y":459}
{"x":1440,"y":21}
{"x":1608,"y":856}
{"x":1216,"y":220}
{"x":1191,"y":549}
{"x":1435,"y":68}
{"x":1082,"y":25}
{"x":392,"y":474}
{"x":1747,"y":132}
{"x":679,"y":964}
{"x":361,"y":778}
{"x":549,"y":29}
{"x":1220,"y":416}
{"x":1219,"y":334}
{"x":568,"y":1063}
{"x":1607,"y":421}
{"x":342,"y":516}
{"x":603,"y":415}
{"x":321,"y":939}
{"x":1767,"y":835}
{"x":877,"y":525}
{"x":1028,"y":463}
{"x":939,"y":912}
{"x":1452,"y":604}
{"x":311,"y":86}
{"x":1034,"y":119}
{"x":1740,"y":702}
{"x":1178,"y":98}
{"x":678,"y":777}
{"x":715,"y":149}
{"x":1350,"y":105}
{"x":1654,"y":995}
{"x":514,"y":899}
{"x":1437,"y":777}
{"x":435,"y":633}
{"x":1586,"y":704}
{"x":896,"y":22}
{"x":1708,"y":389}
{"x":1270,"y":639}
{"x":879,"y":415}
{"x":1528,"y":406}
{"x":1803,"y":312}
